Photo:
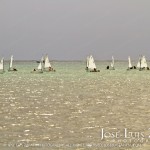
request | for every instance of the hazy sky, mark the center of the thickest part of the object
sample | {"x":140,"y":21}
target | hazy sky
{"x":73,"y":29}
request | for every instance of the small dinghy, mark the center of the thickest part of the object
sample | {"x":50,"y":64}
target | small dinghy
{"x":47,"y":65}
{"x":90,"y":64}
{"x":112,"y":64}
{"x":11,"y":65}
{"x":142,"y":64}
{"x":130,"y":67}
{"x":39,"y":69}
{"x":111,"y":67}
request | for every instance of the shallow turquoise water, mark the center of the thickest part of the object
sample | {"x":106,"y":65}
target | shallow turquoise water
{"x":71,"y":106}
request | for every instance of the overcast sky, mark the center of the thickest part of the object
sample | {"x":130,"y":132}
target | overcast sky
{"x":73,"y":29}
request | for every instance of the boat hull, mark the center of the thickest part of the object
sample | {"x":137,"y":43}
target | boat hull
{"x":36,"y":72}
{"x":144,"y":69}
{"x":93,"y":70}
{"x":49,"y":70}
{"x":12,"y":70}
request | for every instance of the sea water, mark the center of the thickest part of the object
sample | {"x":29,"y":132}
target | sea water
{"x":69,"y":108}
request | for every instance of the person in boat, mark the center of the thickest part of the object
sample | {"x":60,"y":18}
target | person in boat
{"x":134,"y":67}
{"x":49,"y":68}
{"x":95,"y":70}
{"x":107,"y":67}
{"x":14,"y":69}
{"x":34,"y":69}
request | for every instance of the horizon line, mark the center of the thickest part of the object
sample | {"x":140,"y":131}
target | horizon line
{"x":73,"y":60}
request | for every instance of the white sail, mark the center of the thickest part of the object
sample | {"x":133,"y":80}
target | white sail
{"x":40,"y":66}
{"x":129,"y":59}
{"x":11,"y":62}
{"x":47,"y":63}
{"x":92,"y":65}
{"x":143,"y":62}
{"x":112,"y":63}
{"x":139,"y":63}
{"x":87,"y":62}
{"x":2,"y":64}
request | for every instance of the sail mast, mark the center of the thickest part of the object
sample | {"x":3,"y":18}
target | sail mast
{"x":129,"y":59}
{"x":112,"y":63}
{"x":87,"y":62}
{"x":11,"y":62}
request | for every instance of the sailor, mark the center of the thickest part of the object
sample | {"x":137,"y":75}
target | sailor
{"x":50,"y":68}
{"x":14,"y":69}
{"x":107,"y":67}
{"x":95,"y":70}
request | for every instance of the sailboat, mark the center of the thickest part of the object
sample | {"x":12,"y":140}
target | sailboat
{"x":47,"y":65}
{"x":11,"y":65}
{"x":130,"y":64}
{"x":143,"y":64}
{"x":112,"y":64}
{"x":139,"y":63}
{"x":39,"y":69}
{"x":90,"y":64}
{"x":2,"y":66}
{"x":111,"y":67}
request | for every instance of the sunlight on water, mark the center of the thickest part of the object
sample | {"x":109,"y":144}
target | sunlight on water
{"x":71,"y":106}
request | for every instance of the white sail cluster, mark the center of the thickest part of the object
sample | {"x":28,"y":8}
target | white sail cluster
{"x":141,"y":65}
{"x":44,"y":66}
